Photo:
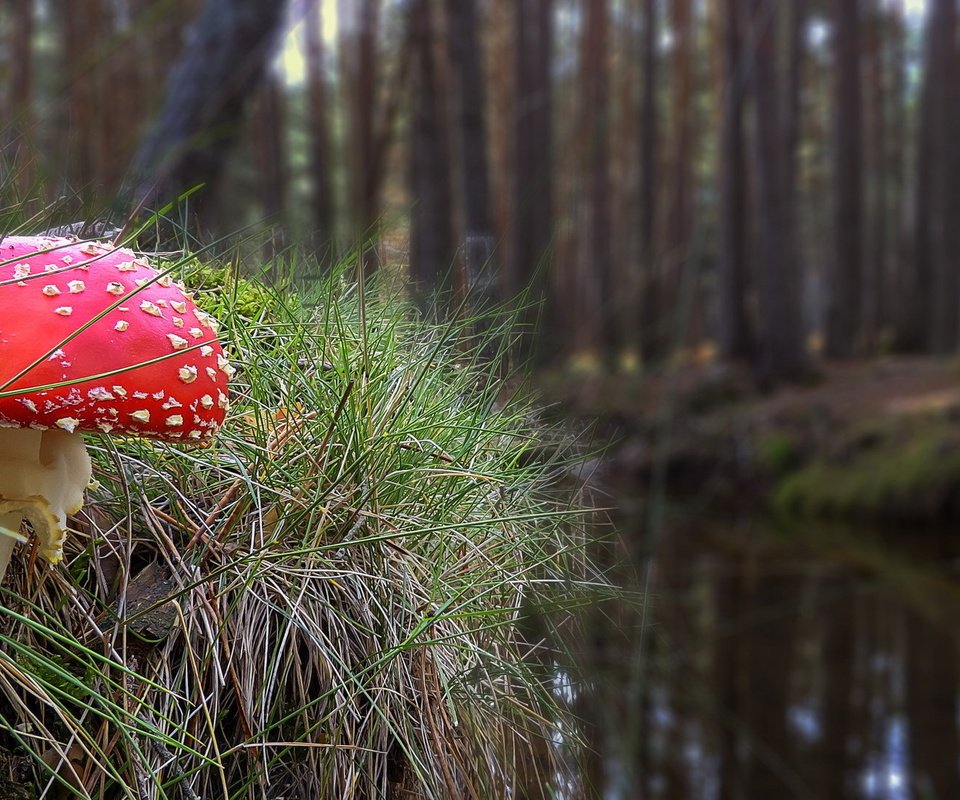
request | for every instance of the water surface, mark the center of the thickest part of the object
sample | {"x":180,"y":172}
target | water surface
{"x":818,"y":662}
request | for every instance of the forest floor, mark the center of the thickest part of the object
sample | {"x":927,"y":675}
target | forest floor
{"x":876,"y":439}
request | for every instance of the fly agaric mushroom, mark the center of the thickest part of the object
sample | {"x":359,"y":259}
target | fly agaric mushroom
{"x":92,"y":339}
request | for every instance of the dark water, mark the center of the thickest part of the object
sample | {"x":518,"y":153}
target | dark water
{"x":817,"y":662}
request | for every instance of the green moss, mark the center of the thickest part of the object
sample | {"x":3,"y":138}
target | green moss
{"x":778,"y":453}
{"x":911,"y":474}
{"x":221,"y":292}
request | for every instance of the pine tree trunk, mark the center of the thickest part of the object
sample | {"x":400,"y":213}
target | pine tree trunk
{"x":271,"y":157}
{"x":924,"y":326}
{"x":432,"y":249}
{"x":596,"y":328}
{"x":532,"y":190}
{"x":17,"y":129}
{"x":782,"y":353}
{"x":649,"y":122}
{"x":735,"y":340}
{"x":359,"y":22}
{"x":207,"y":92}
{"x":322,"y":212}
{"x":946,"y":188}
{"x":876,"y":243}
{"x":846,"y":281}
{"x":678,"y":253}
{"x":478,"y":246}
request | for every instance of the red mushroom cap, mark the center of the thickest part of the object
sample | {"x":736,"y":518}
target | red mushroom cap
{"x":94,"y":339}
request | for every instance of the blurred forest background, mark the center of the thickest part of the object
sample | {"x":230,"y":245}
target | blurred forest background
{"x":757,"y":179}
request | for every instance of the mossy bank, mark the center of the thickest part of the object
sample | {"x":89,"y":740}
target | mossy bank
{"x":877,"y":441}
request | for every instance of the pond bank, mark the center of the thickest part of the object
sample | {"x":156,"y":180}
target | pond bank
{"x":877,"y":440}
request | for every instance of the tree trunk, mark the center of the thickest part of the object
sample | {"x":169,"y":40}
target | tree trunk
{"x":946,"y":187}
{"x":478,"y":247}
{"x":322,"y":204}
{"x":595,"y":319}
{"x":896,"y":290}
{"x":205,"y":103}
{"x":359,"y":23}
{"x":846,"y":283}
{"x":649,"y":121}
{"x":532,"y":191}
{"x":432,"y":249}
{"x":735,"y":339}
{"x":16,"y":143}
{"x":271,"y":156}
{"x":679,"y":225}
{"x":782,"y":354}
{"x":82,"y":29}
{"x":876,"y":244}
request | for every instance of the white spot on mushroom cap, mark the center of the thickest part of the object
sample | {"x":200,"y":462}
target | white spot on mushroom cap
{"x":76,"y":287}
{"x":177,"y":342}
{"x":69,"y":424}
{"x":143,"y":415}
{"x":63,"y":311}
{"x":151,"y":308}
{"x":51,"y":290}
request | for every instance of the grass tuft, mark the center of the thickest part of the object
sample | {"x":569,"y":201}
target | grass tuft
{"x":328,"y":602}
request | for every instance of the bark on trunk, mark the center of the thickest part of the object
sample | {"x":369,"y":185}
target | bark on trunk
{"x":532,"y":191}
{"x":782,"y":353}
{"x":596,"y":327}
{"x":846,"y":281}
{"x":735,"y":339}
{"x":478,"y":245}
{"x":432,"y":250}
{"x":649,"y":122}
{"x":322,"y":211}
{"x":204,"y":108}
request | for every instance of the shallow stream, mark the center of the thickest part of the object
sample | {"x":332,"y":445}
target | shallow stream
{"x":763,"y":663}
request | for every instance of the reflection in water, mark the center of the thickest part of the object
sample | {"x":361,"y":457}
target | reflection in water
{"x":809,"y":665}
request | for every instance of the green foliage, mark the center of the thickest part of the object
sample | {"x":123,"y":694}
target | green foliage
{"x":336,"y":588}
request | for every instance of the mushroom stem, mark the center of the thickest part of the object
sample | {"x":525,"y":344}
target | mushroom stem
{"x":9,"y":536}
{"x":42,"y":477}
